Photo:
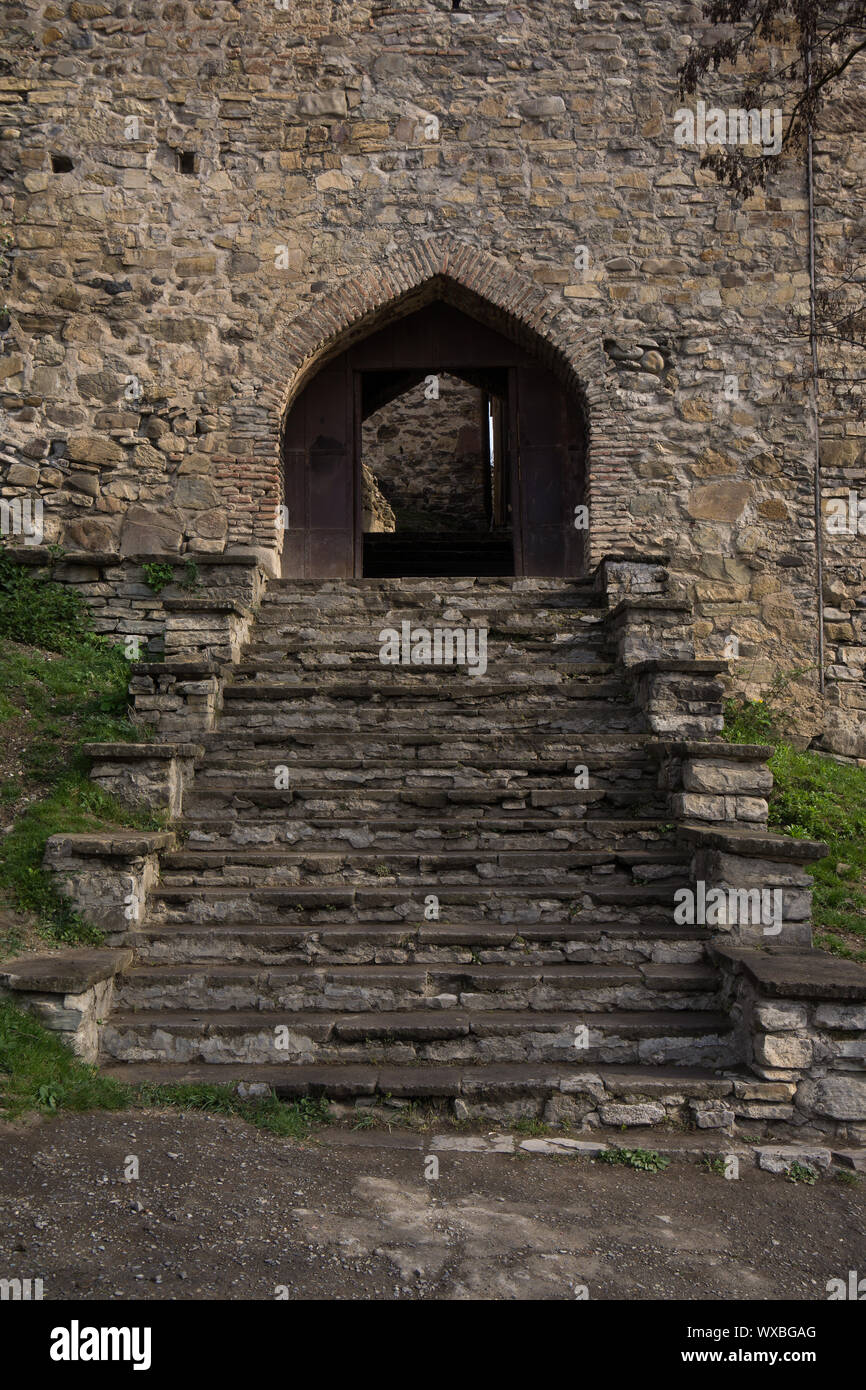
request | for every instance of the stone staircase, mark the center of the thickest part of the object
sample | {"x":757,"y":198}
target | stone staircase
{"x":395,"y":880}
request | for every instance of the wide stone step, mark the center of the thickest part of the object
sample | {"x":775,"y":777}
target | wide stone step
{"x":511,"y":591}
{"x":644,"y":1095}
{"x":371,"y":988}
{"x":411,"y":1037}
{"x":431,"y":860}
{"x":458,"y":832}
{"x":519,"y":775}
{"x":643,"y":904}
{"x":505,"y":681}
{"x":527,"y":735}
{"x":581,"y":870}
{"x":539,"y":641}
{"x":529,"y":633}
{"x":335,"y":669}
{"x":410,"y":753}
{"x":432,"y":943}
{"x":311,"y":710}
{"x":342,"y":798}
{"x":499,"y":614}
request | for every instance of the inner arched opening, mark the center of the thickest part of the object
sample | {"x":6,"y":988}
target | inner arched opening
{"x":434,"y":477}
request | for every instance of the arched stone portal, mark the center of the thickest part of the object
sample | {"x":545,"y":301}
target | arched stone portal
{"x":532,"y":423}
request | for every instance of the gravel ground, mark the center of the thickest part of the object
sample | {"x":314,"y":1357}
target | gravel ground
{"x":221,"y":1210}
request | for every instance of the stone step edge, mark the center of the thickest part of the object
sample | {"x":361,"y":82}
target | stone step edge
{"x":638,"y":740}
{"x":757,"y":843}
{"x":493,"y":825}
{"x":772,"y":1158}
{"x":665,"y":977}
{"x":64,"y":972}
{"x":408,"y":1022}
{"x":656,"y":894}
{"x":205,"y":856}
{"x":256,"y":692}
{"x":441,"y":1079}
{"x":508,"y":931}
{"x":132,"y":752}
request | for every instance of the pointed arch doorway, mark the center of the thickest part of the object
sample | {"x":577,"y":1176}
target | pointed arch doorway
{"x":531,"y":430}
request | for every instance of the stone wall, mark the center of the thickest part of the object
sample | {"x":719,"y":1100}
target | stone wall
{"x":426,"y":455}
{"x":128,"y":609}
{"x":207,"y":200}
{"x":801,"y":1017}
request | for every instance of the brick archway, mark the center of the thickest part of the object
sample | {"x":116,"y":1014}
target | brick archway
{"x":431,"y":268}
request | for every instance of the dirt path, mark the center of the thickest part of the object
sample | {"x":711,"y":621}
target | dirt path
{"x":220,"y":1210}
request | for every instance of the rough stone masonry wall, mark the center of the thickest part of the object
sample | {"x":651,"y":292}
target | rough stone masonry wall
{"x":206,"y":199}
{"x":840,"y":173}
{"x":426,"y":457}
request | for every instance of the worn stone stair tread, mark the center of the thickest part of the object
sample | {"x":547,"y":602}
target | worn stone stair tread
{"x":375,"y":765}
{"x":472,"y":932}
{"x":345,"y":1081}
{"x":63,"y":972}
{"x":419,"y":1023}
{"x":510,"y":822}
{"x":291,"y":672}
{"x":315,"y":791}
{"x":439,"y":684}
{"x":605,"y":744}
{"x":286,"y":590}
{"x":460,"y":975}
{"x":513,"y":759}
{"x":195,"y":857}
{"x":661,"y":893}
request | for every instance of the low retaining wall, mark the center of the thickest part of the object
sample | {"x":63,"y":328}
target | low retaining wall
{"x":802,"y":1020}
{"x":70,"y":992}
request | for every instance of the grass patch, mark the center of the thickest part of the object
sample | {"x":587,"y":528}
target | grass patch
{"x":74,"y":805}
{"x":644,"y":1160}
{"x":528,"y":1124}
{"x":64,"y":685}
{"x":38,"y":1072}
{"x":801,"y":1172}
{"x":717,"y":1165}
{"x":814,"y":797}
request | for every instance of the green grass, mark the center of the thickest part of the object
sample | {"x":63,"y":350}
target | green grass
{"x":717,"y":1166}
{"x":814,"y":797}
{"x":38,"y":1072}
{"x":644,"y":1160}
{"x":801,"y":1172}
{"x":527,"y":1124}
{"x":66,"y":687}
{"x":74,"y":805}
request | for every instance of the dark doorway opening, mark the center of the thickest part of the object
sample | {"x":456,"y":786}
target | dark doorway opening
{"x":436,"y":492}
{"x":436,"y":445}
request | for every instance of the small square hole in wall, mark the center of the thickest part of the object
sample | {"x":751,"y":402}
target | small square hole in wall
{"x":187,"y":162}
{"x":61,"y":164}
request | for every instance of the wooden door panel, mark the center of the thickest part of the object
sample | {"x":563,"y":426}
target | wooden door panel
{"x":319,"y":479}
{"x":548,"y":486}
